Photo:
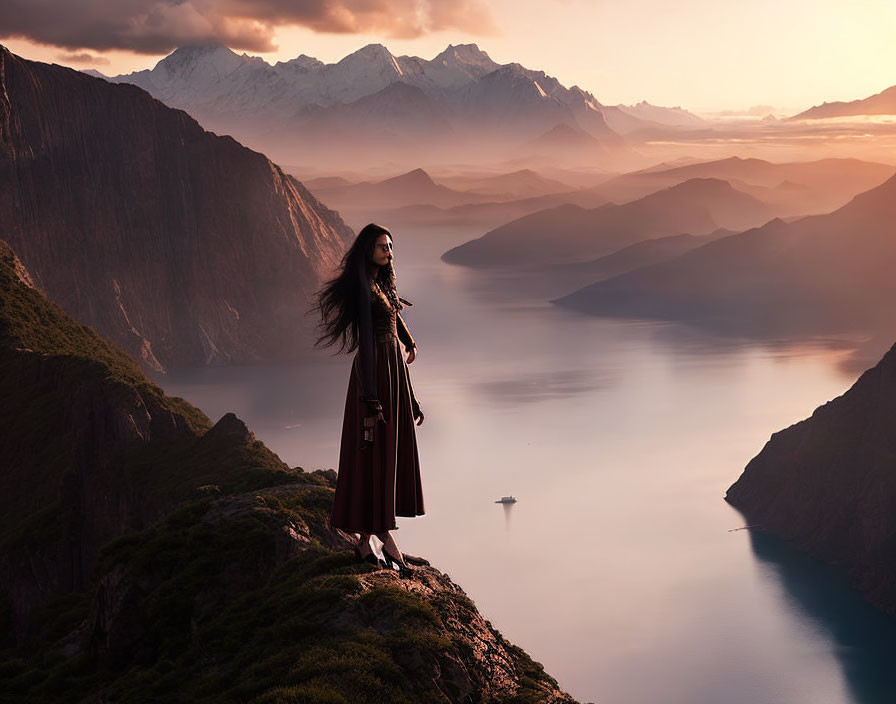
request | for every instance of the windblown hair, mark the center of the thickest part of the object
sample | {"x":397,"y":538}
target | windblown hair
{"x":338,"y":300}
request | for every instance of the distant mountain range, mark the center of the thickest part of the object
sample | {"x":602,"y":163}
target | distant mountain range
{"x":792,"y":188}
{"x":883,"y":103}
{"x":413,"y":187}
{"x":569,"y":233}
{"x":182,"y":247}
{"x":818,"y":274}
{"x":619,"y":117}
{"x":524,"y":183}
{"x":377,"y":102}
{"x":416,"y":198}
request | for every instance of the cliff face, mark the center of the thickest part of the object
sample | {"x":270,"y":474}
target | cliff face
{"x":179,"y":246}
{"x":828,"y":483}
{"x":148,"y":554}
{"x":90,"y":448}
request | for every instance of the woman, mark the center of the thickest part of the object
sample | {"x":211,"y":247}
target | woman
{"x":379,"y":469}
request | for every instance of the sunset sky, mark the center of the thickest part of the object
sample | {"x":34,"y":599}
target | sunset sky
{"x":703,"y":55}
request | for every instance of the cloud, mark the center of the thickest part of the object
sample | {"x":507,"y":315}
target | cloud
{"x":159,"y":26}
{"x":83,"y":58}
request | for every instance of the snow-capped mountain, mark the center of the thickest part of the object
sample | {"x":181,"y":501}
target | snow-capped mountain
{"x":628,"y":119}
{"x":462,"y":96}
{"x":677,"y":116}
{"x":196,"y":76}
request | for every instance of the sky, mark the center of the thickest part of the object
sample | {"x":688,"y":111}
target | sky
{"x":702,"y":55}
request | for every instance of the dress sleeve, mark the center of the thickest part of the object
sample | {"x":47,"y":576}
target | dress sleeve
{"x":366,"y":349}
{"x":403,"y":333}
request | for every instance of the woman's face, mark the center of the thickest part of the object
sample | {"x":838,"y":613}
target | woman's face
{"x":382,"y":250}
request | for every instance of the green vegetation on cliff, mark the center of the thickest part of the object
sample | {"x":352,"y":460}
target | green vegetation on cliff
{"x":233,"y":598}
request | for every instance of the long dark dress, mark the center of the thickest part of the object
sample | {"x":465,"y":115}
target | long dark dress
{"x":381,"y":481}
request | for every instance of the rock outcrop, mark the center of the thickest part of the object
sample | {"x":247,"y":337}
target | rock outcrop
{"x":179,"y":246}
{"x":250,"y":596}
{"x":828,"y":484}
{"x":146,"y":554}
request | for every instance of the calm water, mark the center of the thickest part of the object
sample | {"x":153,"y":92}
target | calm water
{"x":619,"y":568}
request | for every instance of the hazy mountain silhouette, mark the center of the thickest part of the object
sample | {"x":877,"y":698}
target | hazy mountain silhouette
{"x":524,"y":183}
{"x":412,"y":187}
{"x":675,"y":116}
{"x":400,"y":114}
{"x":564,"y":140}
{"x":815,"y":186}
{"x":883,"y":103}
{"x":416,"y":199}
{"x":487,"y":214}
{"x":569,"y":233}
{"x":632,"y":120}
{"x":634,"y":256}
{"x":820,"y":273}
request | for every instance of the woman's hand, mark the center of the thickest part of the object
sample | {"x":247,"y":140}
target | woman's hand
{"x":418,"y":414}
{"x":367,"y":434}
{"x":412,"y":354}
{"x":373,"y":416}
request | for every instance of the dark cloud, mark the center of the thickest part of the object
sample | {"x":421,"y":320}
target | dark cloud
{"x":83,"y":58}
{"x":159,"y":26}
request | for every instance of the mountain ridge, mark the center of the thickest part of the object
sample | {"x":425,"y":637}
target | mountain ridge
{"x":580,"y":234}
{"x":820,"y":273}
{"x":278,"y":108}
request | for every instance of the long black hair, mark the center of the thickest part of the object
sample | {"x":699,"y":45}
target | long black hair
{"x":340,"y":299}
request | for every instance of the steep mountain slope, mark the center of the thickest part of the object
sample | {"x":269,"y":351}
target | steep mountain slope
{"x":828,"y":483}
{"x":90,"y":448}
{"x":182,"y":247}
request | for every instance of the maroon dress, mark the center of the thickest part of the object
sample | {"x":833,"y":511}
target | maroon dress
{"x":379,"y":482}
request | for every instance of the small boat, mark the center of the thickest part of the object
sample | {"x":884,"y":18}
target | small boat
{"x":506,"y":500}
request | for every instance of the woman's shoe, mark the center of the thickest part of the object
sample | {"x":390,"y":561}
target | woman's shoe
{"x":392,"y":563}
{"x":374,"y":560}
{"x":369,"y":557}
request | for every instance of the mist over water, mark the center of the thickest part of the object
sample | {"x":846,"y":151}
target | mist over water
{"x":620,"y":568}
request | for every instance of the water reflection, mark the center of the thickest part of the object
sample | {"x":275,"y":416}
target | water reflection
{"x":508,"y":512}
{"x":864,"y":638}
{"x":530,"y":386}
